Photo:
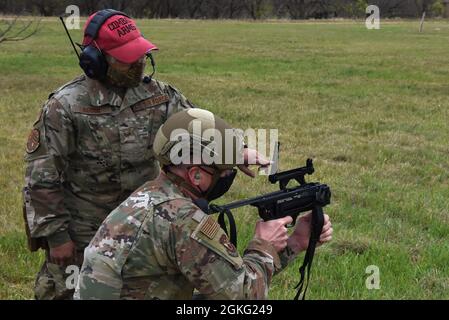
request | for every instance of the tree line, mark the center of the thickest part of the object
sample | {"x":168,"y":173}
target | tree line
{"x":231,"y":9}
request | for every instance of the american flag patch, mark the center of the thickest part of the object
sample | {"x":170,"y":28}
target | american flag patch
{"x":210,"y":227}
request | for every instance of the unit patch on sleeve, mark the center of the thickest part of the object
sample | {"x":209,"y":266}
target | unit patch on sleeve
{"x":33,"y":141}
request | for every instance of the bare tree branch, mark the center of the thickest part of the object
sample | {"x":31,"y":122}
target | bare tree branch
{"x":9,"y":27}
{"x":27,"y":28}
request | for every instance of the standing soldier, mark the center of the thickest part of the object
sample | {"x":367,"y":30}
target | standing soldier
{"x":91,"y":145}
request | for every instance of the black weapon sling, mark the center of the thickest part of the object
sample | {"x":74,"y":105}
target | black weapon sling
{"x":315,"y":232}
{"x":221,"y":221}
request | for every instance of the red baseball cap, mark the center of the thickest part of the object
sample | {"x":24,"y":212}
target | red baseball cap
{"x":120,"y":38}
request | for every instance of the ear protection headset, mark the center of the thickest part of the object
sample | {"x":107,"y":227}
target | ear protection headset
{"x":91,"y":59}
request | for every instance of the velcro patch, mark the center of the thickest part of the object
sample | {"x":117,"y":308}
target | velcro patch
{"x":209,"y":227}
{"x":92,"y":110}
{"x":150,"y":102}
{"x":219,"y":243}
{"x":33,"y":141}
{"x":198,"y":216}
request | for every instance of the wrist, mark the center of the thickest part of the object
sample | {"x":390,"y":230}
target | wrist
{"x":294,"y":246}
{"x":264,"y":247}
{"x":57,"y":239}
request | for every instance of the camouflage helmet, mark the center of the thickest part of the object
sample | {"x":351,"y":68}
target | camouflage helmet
{"x":198,"y":137}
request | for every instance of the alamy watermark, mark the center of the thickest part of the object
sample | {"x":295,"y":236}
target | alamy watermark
{"x":206,"y":147}
{"x":72,"y":20}
{"x":373,"y":20}
{"x":373,"y":280}
{"x":72,"y":280}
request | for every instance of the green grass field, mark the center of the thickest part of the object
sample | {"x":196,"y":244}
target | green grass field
{"x":370,"y":106}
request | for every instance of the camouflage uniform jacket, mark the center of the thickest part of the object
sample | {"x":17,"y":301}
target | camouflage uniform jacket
{"x":87,"y":152}
{"x":159,"y":245}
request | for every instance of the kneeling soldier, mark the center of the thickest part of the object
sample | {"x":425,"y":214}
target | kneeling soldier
{"x":160,"y":244}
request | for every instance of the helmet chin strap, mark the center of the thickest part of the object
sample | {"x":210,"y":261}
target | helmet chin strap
{"x":183,"y":184}
{"x":215,"y":177}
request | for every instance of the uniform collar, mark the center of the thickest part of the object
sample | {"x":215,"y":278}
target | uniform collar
{"x":200,"y":202}
{"x":166,"y":187}
{"x":101,"y":94}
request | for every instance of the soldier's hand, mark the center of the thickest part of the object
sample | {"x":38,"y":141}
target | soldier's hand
{"x":63,"y":255}
{"x":274,"y":231}
{"x":299,"y":240}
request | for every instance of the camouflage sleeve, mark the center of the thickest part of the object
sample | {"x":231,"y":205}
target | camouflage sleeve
{"x":286,"y":256}
{"x":177,"y":101}
{"x":48,"y":147}
{"x":206,"y":257}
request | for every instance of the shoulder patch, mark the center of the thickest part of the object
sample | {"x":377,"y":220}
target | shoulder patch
{"x":33,"y":141}
{"x":210,"y":234}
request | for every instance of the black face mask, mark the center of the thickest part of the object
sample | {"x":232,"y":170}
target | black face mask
{"x":220,"y":187}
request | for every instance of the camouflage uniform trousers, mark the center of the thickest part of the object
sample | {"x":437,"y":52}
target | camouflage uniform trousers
{"x":54,"y":282}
